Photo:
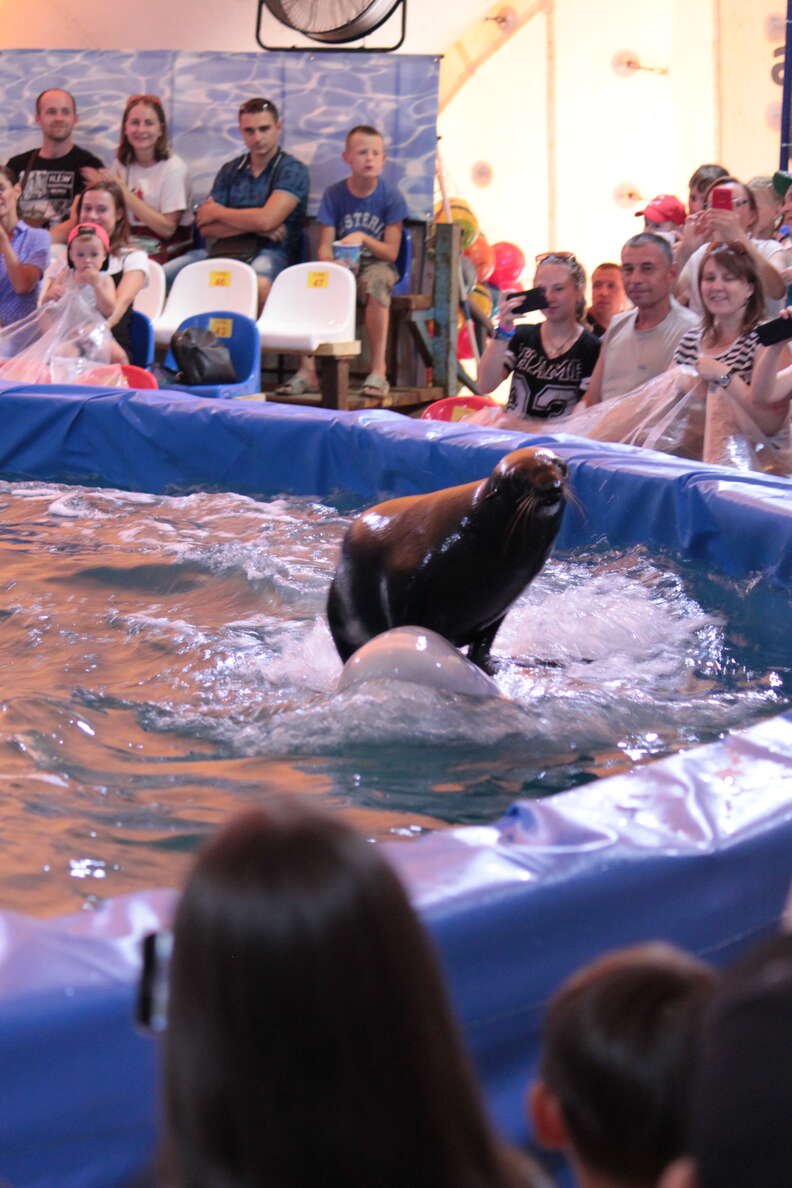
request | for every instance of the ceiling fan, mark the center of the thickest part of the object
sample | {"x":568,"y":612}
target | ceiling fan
{"x":334,"y":23}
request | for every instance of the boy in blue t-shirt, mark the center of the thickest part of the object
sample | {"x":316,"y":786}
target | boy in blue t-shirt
{"x":362,"y":210}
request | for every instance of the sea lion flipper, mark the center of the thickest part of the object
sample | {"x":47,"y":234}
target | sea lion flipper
{"x":479,"y":650}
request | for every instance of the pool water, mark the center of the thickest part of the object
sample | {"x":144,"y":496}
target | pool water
{"x":167,"y":662}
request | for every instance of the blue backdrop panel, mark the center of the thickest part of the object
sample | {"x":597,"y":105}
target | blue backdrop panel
{"x":319,"y":96}
{"x":694,"y":848}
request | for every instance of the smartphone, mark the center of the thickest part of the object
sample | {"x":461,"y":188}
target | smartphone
{"x":721,"y":199}
{"x":531,"y":299}
{"x":777,"y":330}
{"x":151,"y":1007}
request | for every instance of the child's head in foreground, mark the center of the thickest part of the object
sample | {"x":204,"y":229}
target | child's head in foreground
{"x":613,"y":1075}
{"x":741,"y":1101}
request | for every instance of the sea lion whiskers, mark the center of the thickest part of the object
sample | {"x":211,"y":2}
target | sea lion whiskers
{"x":522,"y":510}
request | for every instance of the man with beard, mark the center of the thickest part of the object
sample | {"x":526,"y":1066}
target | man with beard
{"x":50,"y":177}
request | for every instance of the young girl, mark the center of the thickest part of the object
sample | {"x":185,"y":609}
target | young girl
{"x":88,"y":253}
{"x":550,"y":362}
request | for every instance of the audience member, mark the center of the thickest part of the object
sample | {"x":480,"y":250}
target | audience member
{"x":640,"y":343}
{"x":550,"y":362}
{"x":771,"y":383}
{"x":257,"y":205}
{"x":366,"y":212}
{"x":154,"y":182}
{"x":103,"y":204}
{"x":768,"y":207}
{"x":700,"y":181}
{"x":664,"y":215}
{"x":51,"y":177}
{"x":309,"y":1038}
{"x":607,"y":298}
{"x":738,"y":1128}
{"x":615,"y":1064}
{"x":88,"y":253}
{"x":24,"y":255}
{"x":715,"y":224}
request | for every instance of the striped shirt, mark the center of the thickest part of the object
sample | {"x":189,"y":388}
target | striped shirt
{"x":739,"y":356}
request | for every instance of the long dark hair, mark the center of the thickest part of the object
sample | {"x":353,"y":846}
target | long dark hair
{"x":125,"y":152}
{"x":119,"y":237}
{"x":734,"y":258}
{"x":310,"y":1040}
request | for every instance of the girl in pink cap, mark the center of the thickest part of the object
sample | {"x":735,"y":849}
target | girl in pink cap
{"x":88,"y":251}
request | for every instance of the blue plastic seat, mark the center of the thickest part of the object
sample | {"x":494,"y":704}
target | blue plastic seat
{"x":403,"y":264}
{"x":141,"y":337}
{"x":240,"y":334}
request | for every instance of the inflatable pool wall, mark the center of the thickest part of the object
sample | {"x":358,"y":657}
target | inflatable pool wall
{"x":694,"y":848}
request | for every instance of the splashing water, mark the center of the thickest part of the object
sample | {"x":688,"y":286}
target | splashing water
{"x":167,"y":662}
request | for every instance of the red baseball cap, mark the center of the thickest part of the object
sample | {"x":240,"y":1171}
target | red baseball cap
{"x":665,"y":208}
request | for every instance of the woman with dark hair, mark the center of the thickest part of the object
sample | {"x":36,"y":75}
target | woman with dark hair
{"x":103,"y":204}
{"x":730,"y":215}
{"x":153,"y":181}
{"x":309,"y":1040}
{"x":24,"y":255}
{"x":732,"y":300}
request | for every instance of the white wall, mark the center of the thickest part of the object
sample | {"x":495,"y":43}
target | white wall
{"x":562,"y":130}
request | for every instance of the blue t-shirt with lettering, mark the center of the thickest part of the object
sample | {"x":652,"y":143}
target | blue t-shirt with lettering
{"x":345,"y":212}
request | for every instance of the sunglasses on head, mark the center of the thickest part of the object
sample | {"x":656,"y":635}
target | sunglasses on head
{"x":561,"y":257}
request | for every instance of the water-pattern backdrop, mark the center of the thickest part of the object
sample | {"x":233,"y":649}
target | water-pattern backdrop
{"x":319,"y":96}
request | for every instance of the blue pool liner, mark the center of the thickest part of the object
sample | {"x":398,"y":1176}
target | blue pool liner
{"x":695,"y":848}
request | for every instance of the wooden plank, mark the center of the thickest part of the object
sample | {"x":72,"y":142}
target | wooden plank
{"x":401,"y":398}
{"x":333,"y":374}
{"x":446,"y":303}
{"x":410,"y":301}
{"x":338,"y":349}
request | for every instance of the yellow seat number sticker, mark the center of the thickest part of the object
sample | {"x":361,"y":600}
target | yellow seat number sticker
{"x":318,"y":280}
{"x":222,"y":327}
{"x":219,"y":279}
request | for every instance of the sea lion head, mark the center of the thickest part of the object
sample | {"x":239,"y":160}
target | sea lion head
{"x":534,"y":481}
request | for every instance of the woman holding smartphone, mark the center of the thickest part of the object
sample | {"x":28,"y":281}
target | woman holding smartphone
{"x":550,"y":362}
{"x":729,"y":216}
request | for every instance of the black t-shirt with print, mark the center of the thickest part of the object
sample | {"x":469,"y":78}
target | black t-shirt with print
{"x":543,"y":387}
{"x":50,"y":184}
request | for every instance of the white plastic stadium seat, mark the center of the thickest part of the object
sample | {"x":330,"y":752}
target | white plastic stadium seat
{"x":204,"y":287}
{"x":309,"y":304}
{"x":151,"y":297}
{"x":57,"y":261}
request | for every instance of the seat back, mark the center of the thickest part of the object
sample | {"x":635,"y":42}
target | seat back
{"x":151,"y":298}
{"x":453,"y":408}
{"x":141,"y":338}
{"x":309,"y":304}
{"x":404,"y":264}
{"x":209,"y":285}
{"x":236,"y":331}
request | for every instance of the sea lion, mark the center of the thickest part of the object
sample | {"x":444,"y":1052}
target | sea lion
{"x":453,"y":560}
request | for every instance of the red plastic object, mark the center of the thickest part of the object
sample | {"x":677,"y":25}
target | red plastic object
{"x":453,"y":408}
{"x":138,"y":377}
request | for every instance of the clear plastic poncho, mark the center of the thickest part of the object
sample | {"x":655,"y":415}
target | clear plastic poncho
{"x":676,"y":413}
{"x":62,"y":342}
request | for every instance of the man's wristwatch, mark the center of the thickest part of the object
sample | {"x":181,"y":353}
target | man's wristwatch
{"x":503,"y":335}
